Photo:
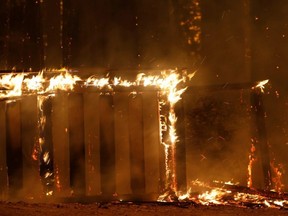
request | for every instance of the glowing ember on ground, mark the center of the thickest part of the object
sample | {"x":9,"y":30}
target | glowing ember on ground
{"x":232,"y":195}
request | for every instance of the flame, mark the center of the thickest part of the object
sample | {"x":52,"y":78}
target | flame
{"x":168,"y":82}
{"x":64,"y":81}
{"x":119,"y":82}
{"x":12,"y":84}
{"x":277,"y":179}
{"x":250,"y":165}
{"x":98,"y":82}
{"x":46,"y":157}
{"x":261,"y":85}
{"x":47,"y":177}
{"x":215,"y":196}
{"x":222,"y":196}
{"x":36,"y":83}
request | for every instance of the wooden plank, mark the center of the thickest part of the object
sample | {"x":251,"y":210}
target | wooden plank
{"x":14,"y":149}
{"x":45,"y":142}
{"x":181,"y":176}
{"x":151,"y":132}
{"x":136,"y":144}
{"x":3,"y":162}
{"x":262,"y":144}
{"x":122,"y":148}
{"x":77,"y":148}
{"x":60,"y":136}
{"x":92,"y":143}
{"x":164,"y":135}
{"x":107,"y":145}
{"x":31,"y":175}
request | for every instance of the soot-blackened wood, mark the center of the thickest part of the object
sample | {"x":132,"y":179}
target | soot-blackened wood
{"x":122,"y":147}
{"x":46,"y":148}
{"x":262,"y":144}
{"x":3,"y":162}
{"x":92,"y":143}
{"x":136,"y":144}
{"x":77,"y":147}
{"x":107,"y":145}
{"x":151,"y":141}
{"x":60,"y":134}
{"x":181,"y":177}
{"x":31,"y":175}
{"x":14,"y":149}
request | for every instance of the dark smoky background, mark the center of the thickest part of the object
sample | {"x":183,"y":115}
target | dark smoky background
{"x":225,"y":41}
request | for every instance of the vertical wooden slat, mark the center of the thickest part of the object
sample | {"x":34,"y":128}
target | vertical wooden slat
{"x":46,"y":145}
{"x":122,"y":149}
{"x":164,"y":111}
{"x":136,"y":144}
{"x":162,"y":179}
{"x":14,"y":149}
{"x":31,"y":175}
{"x":92,"y":143}
{"x":107,"y":145}
{"x":262,"y":144}
{"x":190,"y":160}
{"x":181,"y":176}
{"x":60,"y":135}
{"x":151,"y":141}
{"x":77,"y":148}
{"x":3,"y":163}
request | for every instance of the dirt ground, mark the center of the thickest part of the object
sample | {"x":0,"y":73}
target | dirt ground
{"x":125,"y":209}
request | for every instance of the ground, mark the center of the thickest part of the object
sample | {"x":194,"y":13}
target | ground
{"x":125,"y":209}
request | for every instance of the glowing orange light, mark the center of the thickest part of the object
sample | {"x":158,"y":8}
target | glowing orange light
{"x":261,"y":85}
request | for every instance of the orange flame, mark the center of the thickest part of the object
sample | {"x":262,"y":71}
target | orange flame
{"x":261,"y":85}
{"x":277,"y":179}
{"x":250,"y":165}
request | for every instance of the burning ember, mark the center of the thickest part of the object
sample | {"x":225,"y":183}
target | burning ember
{"x":261,"y":85}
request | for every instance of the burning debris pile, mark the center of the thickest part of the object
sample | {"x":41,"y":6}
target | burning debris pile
{"x":228,"y":193}
{"x":75,"y":156}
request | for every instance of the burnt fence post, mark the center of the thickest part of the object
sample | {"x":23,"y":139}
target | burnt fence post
{"x":259,"y":113}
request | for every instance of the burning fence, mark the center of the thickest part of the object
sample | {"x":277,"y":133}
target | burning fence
{"x":68,"y":136}
{"x":76,"y":130}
